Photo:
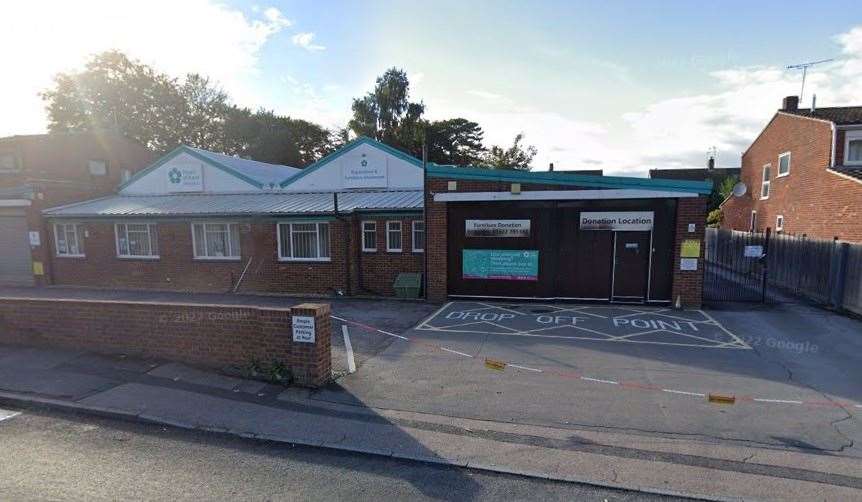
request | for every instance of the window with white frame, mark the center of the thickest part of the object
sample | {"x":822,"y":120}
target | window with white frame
{"x":853,"y":147}
{"x":369,"y":236}
{"x":137,"y":240}
{"x":779,"y":223}
{"x":418,"y":236}
{"x":784,"y":164}
{"x":219,"y":241}
{"x":764,"y":187}
{"x":9,"y":162}
{"x":69,"y":239}
{"x":98,"y":167}
{"x":303,"y":241}
{"x":393,"y":236}
{"x":752,"y":224}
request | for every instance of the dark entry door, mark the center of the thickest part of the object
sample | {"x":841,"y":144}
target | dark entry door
{"x":631,"y":266}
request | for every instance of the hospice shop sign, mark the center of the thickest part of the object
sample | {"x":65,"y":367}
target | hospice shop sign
{"x":497,"y":228}
{"x":500,"y":264}
{"x":631,"y":221}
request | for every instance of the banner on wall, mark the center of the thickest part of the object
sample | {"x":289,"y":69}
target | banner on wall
{"x":186,"y":178}
{"x":497,"y":228}
{"x":620,"y":221}
{"x":364,"y":170}
{"x":500,"y":264}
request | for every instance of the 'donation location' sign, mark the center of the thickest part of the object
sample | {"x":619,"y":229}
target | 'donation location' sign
{"x":611,"y":323}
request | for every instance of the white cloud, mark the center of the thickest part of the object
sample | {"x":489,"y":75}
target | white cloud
{"x":176,"y":37}
{"x":479,"y":93}
{"x":306,"y":41}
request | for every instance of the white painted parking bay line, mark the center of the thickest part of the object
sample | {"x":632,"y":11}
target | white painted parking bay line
{"x":778,"y":401}
{"x":525,"y":368}
{"x":684,"y":393}
{"x":599,"y":380}
{"x":456,"y":352}
{"x":7,"y":414}
{"x":348,"y":347}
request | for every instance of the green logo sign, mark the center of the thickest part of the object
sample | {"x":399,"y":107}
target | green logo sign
{"x":175,"y":176}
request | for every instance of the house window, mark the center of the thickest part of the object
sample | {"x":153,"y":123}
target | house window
{"x":98,"y":167}
{"x":219,"y":241}
{"x":784,"y":164}
{"x":752,"y":225}
{"x":779,"y":223}
{"x":764,"y":188}
{"x":393,"y":236}
{"x":853,"y":147}
{"x":418,"y":236}
{"x":369,"y":236}
{"x":303,"y":241}
{"x":69,"y":239}
{"x":8,"y":162}
{"x":137,"y":240}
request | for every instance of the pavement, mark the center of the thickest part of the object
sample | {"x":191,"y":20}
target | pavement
{"x":603,"y":402}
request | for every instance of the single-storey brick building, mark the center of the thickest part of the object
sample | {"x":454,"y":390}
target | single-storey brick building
{"x":355,"y":220}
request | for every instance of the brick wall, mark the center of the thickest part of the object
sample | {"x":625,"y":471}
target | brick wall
{"x":178,"y":270}
{"x":812,"y":200}
{"x":688,"y":284}
{"x":210,"y":335}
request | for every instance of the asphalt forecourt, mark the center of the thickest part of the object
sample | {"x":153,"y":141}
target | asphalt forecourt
{"x":607,"y":323}
{"x":625,"y":367}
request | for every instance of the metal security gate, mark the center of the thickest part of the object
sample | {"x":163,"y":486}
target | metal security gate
{"x":736,"y":266}
{"x":15,"y":264}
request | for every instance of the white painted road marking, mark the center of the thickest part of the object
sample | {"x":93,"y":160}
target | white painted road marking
{"x":351,"y":362}
{"x":7,"y":414}
{"x":684,"y":393}
{"x":456,"y":352}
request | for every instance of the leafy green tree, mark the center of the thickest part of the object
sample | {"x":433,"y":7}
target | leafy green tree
{"x":387,"y":114}
{"x":268,"y":137}
{"x":722,"y":191}
{"x":454,"y":141}
{"x":515,"y":157}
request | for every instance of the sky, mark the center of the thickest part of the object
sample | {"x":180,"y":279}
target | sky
{"x":622,"y":86}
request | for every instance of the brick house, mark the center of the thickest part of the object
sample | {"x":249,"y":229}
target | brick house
{"x":803,"y":174}
{"x":46,"y":170}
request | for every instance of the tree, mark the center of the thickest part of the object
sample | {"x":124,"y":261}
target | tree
{"x":514,"y":157}
{"x":454,"y":141}
{"x":386,"y":113}
{"x":722,"y":191}
{"x":268,"y":137}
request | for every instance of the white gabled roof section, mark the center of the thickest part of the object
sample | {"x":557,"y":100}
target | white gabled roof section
{"x":192,"y":170}
{"x":363,"y":164}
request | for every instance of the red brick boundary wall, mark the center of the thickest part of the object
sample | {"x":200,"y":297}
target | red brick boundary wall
{"x":209,"y":335}
{"x":688,"y":284}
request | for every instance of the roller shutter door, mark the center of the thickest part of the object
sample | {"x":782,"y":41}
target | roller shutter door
{"x":15,"y":266}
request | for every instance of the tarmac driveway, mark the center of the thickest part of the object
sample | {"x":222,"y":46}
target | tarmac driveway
{"x":794,"y":370}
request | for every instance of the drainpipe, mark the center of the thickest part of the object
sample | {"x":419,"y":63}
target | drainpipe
{"x":425,"y":220}
{"x":834,"y":139}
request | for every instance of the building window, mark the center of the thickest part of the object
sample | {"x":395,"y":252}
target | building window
{"x":393,"y":236}
{"x":218,"y":241}
{"x":418,"y":236}
{"x":98,"y":167}
{"x":764,"y":188}
{"x":303,"y":241}
{"x":752,"y":225}
{"x":137,"y":240}
{"x":853,"y":147}
{"x":69,"y":239}
{"x":779,"y":223}
{"x":784,"y":164}
{"x":9,"y":163}
{"x":369,"y":236}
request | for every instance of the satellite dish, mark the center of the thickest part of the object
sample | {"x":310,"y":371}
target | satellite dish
{"x":739,"y":189}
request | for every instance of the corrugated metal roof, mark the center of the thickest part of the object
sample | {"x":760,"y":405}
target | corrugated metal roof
{"x":278,"y":203}
{"x":262,"y":172}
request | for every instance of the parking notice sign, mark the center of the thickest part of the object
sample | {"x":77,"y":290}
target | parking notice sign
{"x":303,"y":328}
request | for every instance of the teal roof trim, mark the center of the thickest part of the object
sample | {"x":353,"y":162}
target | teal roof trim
{"x":564,"y":178}
{"x":362,"y":140}
{"x":184,"y":149}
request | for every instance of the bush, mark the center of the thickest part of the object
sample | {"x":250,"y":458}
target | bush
{"x":714,"y":218}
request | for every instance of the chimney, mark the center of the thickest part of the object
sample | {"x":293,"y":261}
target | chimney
{"x":790,"y":103}
{"x":813,"y":103}
{"x":551,"y":167}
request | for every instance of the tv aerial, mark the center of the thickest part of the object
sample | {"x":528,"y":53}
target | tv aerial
{"x":804,"y":67}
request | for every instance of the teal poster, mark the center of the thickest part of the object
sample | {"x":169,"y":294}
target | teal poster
{"x":502,"y":264}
